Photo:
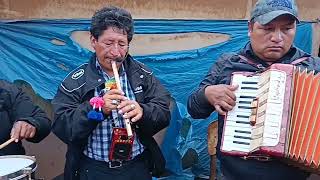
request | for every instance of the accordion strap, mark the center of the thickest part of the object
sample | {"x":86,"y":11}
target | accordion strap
{"x":251,"y":62}
{"x":297,"y":61}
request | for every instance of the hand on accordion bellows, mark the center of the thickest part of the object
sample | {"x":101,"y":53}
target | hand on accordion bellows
{"x":22,"y":130}
{"x":111,"y":100}
{"x":222,"y":97}
{"x":130,"y":110}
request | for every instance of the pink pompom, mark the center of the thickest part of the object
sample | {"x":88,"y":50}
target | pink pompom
{"x":97,"y":102}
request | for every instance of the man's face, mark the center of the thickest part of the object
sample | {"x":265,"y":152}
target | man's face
{"x":111,"y":44}
{"x":272,"y":41}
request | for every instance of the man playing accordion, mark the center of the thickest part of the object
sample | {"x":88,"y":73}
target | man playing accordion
{"x":272,"y":29}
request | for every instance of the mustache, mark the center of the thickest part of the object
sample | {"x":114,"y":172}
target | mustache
{"x":119,"y":59}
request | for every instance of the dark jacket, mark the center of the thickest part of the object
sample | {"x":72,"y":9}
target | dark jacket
{"x":220,"y":73}
{"x":15,"y":105}
{"x":71,"y":105}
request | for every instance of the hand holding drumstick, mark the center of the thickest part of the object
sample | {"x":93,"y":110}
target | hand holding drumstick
{"x":20,"y":130}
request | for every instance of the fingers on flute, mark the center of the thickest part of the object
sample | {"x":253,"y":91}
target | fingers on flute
{"x":134,"y":115}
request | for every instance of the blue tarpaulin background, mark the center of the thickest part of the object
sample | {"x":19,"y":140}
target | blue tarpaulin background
{"x":26,"y":53}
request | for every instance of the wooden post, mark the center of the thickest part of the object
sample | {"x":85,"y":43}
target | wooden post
{"x":212,"y":144}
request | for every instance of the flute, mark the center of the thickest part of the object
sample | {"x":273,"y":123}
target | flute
{"x":116,"y":77}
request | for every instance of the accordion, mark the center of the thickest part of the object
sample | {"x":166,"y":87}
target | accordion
{"x":277,"y":114}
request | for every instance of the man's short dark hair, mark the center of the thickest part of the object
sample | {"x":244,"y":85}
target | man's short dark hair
{"x":112,"y":16}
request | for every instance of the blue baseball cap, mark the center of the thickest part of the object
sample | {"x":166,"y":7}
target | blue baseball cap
{"x":265,"y":11}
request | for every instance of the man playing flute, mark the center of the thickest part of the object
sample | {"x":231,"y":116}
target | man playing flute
{"x":91,"y":110}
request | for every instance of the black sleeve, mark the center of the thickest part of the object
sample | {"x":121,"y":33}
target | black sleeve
{"x":198,"y":105}
{"x":156,"y":114}
{"x":23,"y":109}
{"x":71,"y":124}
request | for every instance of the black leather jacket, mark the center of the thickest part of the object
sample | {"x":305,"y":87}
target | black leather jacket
{"x":15,"y":105}
{"x":71,"y":105}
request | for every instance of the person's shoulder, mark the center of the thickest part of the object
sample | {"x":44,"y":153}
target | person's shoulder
{"x":227,"y":58}
{"x":75,"y":79}
{"x":142,"y":67}
{"x":4,"y":84}
{"x":145,"y":68}
{"x":230,"y":56}
{"x":314,"y":61}
{"x":9,"y":89}
{"x":310,"y":58}
{"x":315,"y":58}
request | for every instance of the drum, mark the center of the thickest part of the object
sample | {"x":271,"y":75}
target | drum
{"x":16,"y":167}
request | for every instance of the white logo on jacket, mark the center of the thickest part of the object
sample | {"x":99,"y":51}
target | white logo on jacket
{"x":77,"y":74}
{"x":138,"y":90}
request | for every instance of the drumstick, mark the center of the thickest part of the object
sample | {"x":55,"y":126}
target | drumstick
{"x":6,"y":143}
{"x":116,"y":77}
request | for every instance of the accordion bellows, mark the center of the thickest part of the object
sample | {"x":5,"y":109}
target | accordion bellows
{"x":276,"y":114}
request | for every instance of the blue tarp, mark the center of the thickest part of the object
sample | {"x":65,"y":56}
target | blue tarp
{"x":26,"y":53}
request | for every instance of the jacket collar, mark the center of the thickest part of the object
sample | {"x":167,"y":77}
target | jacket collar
{"x":129,"y":62}
{"x":95,"y":79}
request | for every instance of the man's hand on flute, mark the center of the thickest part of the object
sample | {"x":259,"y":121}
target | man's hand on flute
{"x":130,"y":110}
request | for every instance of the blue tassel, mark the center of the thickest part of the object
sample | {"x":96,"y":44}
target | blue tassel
{"x":100,"y":116}
{"x":92,"y":115}
{"x":95,"y":116}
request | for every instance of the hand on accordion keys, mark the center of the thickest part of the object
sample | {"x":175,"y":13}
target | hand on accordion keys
{"x":221,"y":97}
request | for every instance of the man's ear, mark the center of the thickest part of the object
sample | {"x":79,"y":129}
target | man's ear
{"x":93,"y":42}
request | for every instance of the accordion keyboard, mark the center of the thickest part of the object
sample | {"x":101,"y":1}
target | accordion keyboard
{"x":237,"y":128}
